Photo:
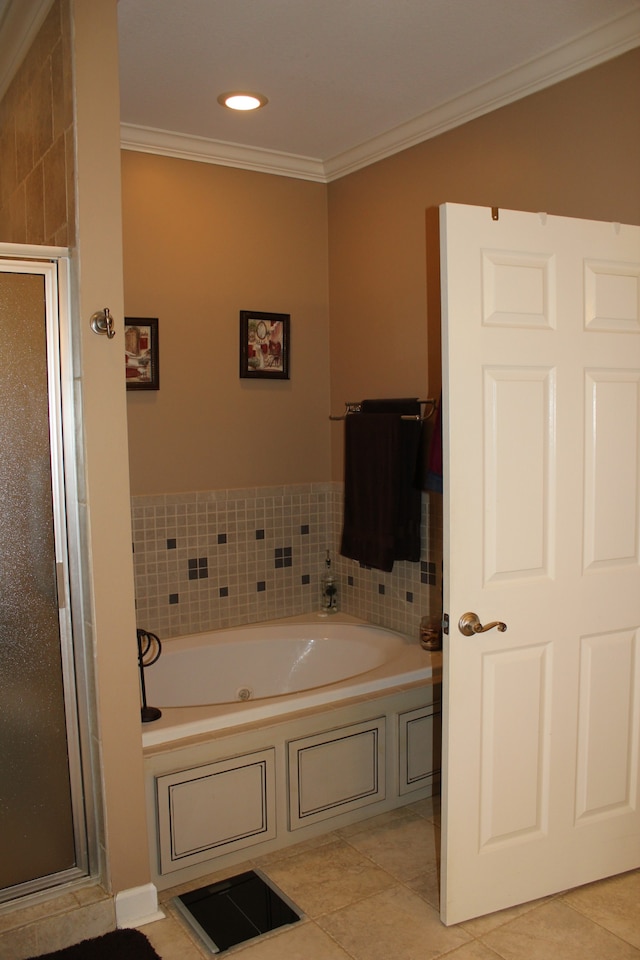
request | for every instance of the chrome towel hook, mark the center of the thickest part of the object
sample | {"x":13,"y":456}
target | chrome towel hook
{"x":102,"y":322}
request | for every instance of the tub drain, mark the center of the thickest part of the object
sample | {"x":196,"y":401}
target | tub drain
{"x":244,"y":693}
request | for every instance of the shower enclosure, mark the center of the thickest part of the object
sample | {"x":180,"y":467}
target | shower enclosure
{"x":42,"y":816}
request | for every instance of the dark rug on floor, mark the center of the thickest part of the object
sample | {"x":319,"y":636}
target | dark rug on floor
{"x":119,"y":945}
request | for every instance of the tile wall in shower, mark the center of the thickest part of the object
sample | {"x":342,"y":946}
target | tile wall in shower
{"x":222,"y":558}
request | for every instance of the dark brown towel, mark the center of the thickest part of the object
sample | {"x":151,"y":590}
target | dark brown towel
{"x":382,"y":500}
{"x":434,"y":465}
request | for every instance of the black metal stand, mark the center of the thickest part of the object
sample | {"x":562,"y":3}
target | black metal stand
{"x":145,"y":643}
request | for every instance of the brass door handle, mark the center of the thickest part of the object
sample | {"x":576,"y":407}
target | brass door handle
{"x":469,"y":624}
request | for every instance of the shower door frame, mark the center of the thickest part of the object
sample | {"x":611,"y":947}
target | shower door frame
{"x":53,"y":264}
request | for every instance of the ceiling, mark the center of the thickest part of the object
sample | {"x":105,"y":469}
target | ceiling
{"x":348,"y":81}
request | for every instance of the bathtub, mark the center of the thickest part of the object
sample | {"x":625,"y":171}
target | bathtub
{"x":295,"y":699}
{"x":214,"y":681}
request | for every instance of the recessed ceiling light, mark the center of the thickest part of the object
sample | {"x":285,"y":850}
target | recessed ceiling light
{"x":242,"y":101}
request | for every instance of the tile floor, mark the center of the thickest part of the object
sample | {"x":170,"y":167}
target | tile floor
{"x":369,"y":892}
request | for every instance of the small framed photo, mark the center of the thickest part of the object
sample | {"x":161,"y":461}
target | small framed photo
{"x":142,"y":369}
{"x":264,"y":345}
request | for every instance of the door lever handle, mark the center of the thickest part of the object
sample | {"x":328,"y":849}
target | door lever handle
{"x":469,"y":624}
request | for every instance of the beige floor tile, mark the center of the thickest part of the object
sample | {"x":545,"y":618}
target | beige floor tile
{"x":370,"y":892}
{"x":369,"y":826}
{"x":18,"y":944}
{"x":305,"y":941}
{"x":429,"y":808}
{"x":613,"y":903}
{"x":90,"y":894}
{"x":427,"y":886}
{"x":171,"y":941}
{"x":295,"y":850}
{"x":403,"y":847}
{"x":94,"y":920}
{"x":473,"y":951}
{"x":396,"y":924}
{"x":21,"y":916}
{"x":481,"y":925}
{"x":165,"y":895}
{"x":328,"y":878}
{"x":554,"y":931}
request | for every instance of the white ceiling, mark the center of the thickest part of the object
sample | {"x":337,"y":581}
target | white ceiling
{"x":348,"y":81}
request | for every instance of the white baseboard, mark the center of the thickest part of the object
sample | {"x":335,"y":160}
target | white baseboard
{"x":137,"y":906}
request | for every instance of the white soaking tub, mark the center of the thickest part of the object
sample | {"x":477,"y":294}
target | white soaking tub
{"x":211,"y":681}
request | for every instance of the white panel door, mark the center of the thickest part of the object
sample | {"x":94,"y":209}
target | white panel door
{"x":541,"y":424}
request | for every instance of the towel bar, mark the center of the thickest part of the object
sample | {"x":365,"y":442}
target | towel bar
{"x":353,"y":407}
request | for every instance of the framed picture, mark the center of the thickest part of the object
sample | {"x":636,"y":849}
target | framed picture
{"x":141,"y":353}
{"x":264,"y":345}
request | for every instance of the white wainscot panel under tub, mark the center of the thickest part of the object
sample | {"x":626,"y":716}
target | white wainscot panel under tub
{"x":608,"y":725}
{"x":215,"y":809}
{"x":516,"y":716}
{"x":612,"y":419}
{"x":419,"y":748}
{"x":611,"y":296}
{"x":336,"y":771}
{"x":519,"y":471}
{"x":212,"y":803}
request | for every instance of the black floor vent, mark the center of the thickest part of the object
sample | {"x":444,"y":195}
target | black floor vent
{"x":235,"y":910}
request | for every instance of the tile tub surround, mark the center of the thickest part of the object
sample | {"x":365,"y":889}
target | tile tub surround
{"x":221,"y":558}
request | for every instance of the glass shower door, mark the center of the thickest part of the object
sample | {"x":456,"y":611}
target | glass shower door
{"x":36,"y":804}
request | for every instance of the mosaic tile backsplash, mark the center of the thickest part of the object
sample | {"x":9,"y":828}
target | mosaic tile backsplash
{"x":222,"y":558}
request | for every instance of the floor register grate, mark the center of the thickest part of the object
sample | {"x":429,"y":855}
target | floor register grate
{"x":236,"y":910}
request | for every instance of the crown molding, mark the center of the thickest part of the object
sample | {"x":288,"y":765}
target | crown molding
{"x":18,"y":27}
{"x":167,"y":144}
{"x":615,"y":38}
{"x":593,"y":48}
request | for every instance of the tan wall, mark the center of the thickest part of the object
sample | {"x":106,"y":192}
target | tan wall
{"x":571,"y":150}
{"x":201,"y":243}
{"x":36,"y":140}
{"x":97,"y":262}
